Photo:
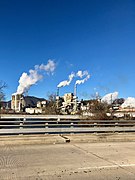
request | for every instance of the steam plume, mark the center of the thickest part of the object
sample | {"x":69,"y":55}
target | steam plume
{"x":73,"y":75}
{"x":129,"y":102}
{"x":66,"y":82}
{"x":109,"y":98}
{"x":27,"y":80}
{"x":49,"y":67}
{"x":81,"y":74}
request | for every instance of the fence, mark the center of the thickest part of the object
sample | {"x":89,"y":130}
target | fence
{"x":19,"y":124}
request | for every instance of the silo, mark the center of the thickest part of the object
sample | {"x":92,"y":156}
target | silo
{"x":16,"y":102}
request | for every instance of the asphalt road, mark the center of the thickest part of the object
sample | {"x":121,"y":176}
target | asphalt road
{"x":90,"y":161}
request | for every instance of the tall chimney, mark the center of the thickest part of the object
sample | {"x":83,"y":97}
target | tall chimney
{"x":75,"y":90}
{"x":75,"y":97}
{"x":57,"y":91}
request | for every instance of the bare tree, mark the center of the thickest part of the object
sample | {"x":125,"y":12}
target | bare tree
{"x":98,"y":109}
{"x":2,"y":94}
{"x":2,"y":86}
{"x":51,"y":104}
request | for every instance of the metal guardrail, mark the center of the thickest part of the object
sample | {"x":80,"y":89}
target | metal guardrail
{"x":11,"y":125}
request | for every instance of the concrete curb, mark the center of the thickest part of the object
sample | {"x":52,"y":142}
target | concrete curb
{"x":38,"y":139}
{"x":101,"y":137}
{"x":66,"y":138}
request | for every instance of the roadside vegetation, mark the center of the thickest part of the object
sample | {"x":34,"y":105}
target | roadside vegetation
{"x":50,"y":108}
{"x":3,"y":85}
{"x":96,"y":110}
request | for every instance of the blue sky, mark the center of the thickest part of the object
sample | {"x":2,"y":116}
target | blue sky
{"x":93,"y":35}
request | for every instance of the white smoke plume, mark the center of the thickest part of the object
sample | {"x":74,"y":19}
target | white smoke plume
{"x":73,"y":75}
{"x":81,"y":74}
{"x":27,"y":80}
{"x":129,"y":103}
{"x":109,"y":98}
{"x":49,"y":67}
{"x":66,"y":82}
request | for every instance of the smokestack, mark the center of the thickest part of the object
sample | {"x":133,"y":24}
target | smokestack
{"x":75,"y":90}
{"x":57,"y":91}
{"x":75,"y":97}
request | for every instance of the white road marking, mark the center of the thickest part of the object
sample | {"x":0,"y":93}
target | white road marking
{"x":111,"y":166}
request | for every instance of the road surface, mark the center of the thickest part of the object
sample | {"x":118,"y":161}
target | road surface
{"x":77,"y":161}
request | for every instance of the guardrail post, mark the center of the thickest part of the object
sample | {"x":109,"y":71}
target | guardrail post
{"x":58,"y":118}
{"x":95,"y":124}
{"x":116,"y":125}
{"x":72,"y":125}
{"x":46,"y":125}
{"x":21,"y":127}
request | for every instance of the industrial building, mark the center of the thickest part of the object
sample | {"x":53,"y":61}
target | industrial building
{"x":21,"y":103}
{"x":66,"y":104}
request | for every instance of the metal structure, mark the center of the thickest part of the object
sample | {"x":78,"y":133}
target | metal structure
{"x":13,"y":125}
{"x":68,"y":104}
